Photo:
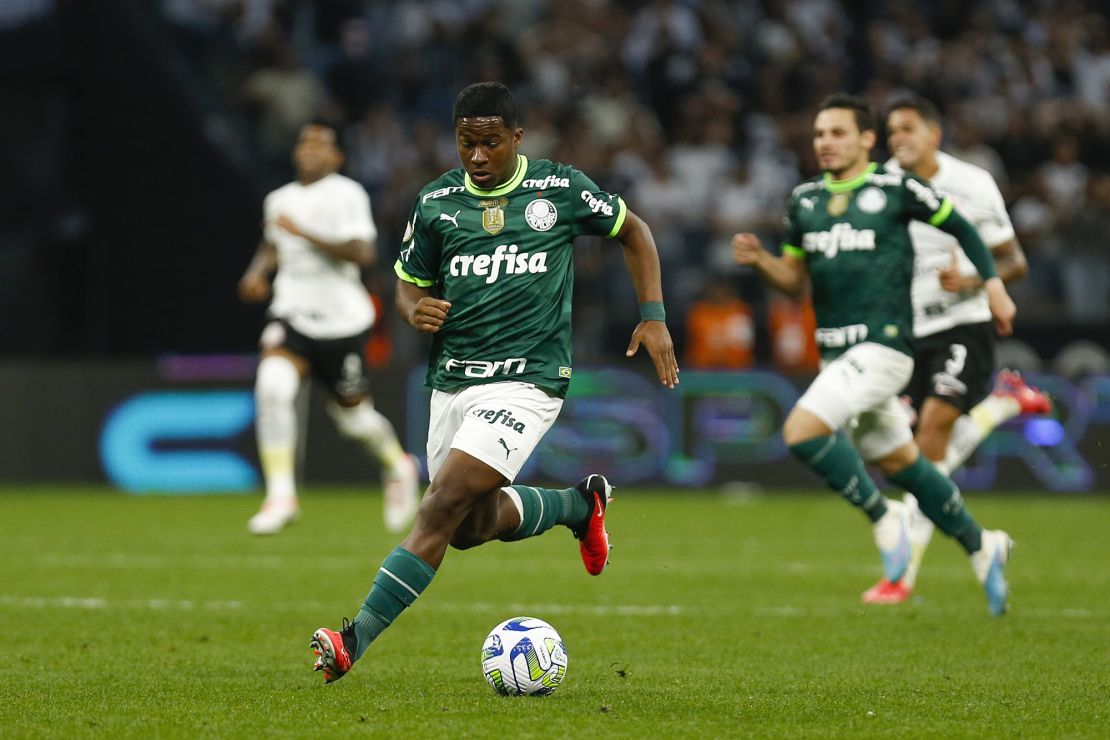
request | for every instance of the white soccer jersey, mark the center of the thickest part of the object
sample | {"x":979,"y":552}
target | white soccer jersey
{"x":318,"y":295}
{"x":977,"y":198}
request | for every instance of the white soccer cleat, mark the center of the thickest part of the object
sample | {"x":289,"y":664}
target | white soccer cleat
{"x":921,"y":531}
{"x":892,"y":537}
{"x":989,"y":564}
{"x":274,"y":515}
{"x":401,"y":490}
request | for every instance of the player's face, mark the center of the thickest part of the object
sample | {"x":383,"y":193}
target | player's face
{"x":487,"y":148}
{"x":911,"y":139}
{"x":840,"y":147}
{"x":316,"y":153}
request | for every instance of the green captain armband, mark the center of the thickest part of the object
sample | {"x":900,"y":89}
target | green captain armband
{"x":652,"y":311}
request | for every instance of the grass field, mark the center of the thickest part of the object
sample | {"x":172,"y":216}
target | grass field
{"x":719,"y":617}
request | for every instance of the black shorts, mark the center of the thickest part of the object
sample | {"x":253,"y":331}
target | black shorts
{"x":339,"y":364}
{"x":953,"y":365}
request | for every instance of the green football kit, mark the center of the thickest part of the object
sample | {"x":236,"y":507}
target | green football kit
{"x":853,"y":236}
{"x":503,"y":258}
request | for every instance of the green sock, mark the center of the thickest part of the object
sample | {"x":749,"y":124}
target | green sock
{"x":940,"y":500}
{"x":402,"y":577}
{"x":838,"y":463}
{"x":543,"y":508}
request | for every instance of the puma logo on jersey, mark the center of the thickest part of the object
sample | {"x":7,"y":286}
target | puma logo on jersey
{"x":505,"y":257}
{"x":840,"y":238}
{"x":808,"y":202}
{"x":506,"y":446}
{"x":452,"y":219}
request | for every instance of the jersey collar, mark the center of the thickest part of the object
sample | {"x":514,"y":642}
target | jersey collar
{"x":843,"y":186}
{"x":513,"y":182}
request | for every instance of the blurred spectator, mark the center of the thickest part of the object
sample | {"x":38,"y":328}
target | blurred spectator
{"x":1085,"y":265}
{"x":720,"y":332}
{"x":792,"y":323}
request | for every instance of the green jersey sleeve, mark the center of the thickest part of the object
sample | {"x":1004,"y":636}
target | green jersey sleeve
{"x":421,"y":249}
{"x":593,"y":210}
{"x":792,"y":236}
{"x":923,"y":203}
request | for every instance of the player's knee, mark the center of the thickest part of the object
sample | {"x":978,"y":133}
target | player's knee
{"x":356,"y":422}
{"x":464,"y":538}
{"x":801,"y":426}
{"x":895,"y":462}
{"x":276,"y":383}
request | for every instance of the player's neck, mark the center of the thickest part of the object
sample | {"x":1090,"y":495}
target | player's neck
{"x":927,"y":168}
{"x":851,"y":172}
{"x":306,"y":179}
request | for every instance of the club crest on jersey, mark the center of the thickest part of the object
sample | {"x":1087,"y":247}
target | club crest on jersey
{"x":541,"y":214}
{"x":493,"y":214}
{"x":838,"y":204}
{"x":871,"y":200}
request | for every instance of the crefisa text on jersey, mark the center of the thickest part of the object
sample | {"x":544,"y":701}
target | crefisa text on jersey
{"x":489,"y":266}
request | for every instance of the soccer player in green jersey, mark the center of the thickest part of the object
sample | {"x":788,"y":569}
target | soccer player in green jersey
{"x":486,"y":269}
{"x":847,"y":232}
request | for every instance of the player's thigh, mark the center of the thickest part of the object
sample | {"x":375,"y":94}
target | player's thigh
{"x":340,"y":365}
{"x":955,"y":366}
{"x":279,"y":340}
{"x":498,"y":423}
{"x":881,"y":430}
{"x":864,"y":377}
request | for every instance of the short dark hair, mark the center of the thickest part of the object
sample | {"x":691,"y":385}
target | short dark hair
{"x":337,"y":132}
{"x":486,"y":99}
{"x":861,"y":109}
{"x":923,"y":106}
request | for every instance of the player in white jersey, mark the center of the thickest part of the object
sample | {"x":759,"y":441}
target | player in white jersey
{"x":318,"y":233}
{"x":954,"y":338}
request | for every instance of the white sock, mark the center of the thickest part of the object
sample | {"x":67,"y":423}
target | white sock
{"x":275,"y":390}
{"x":364,"y":423}
{"x":976,"y":425}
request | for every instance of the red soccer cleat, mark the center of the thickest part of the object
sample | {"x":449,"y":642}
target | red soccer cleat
{"x":333,"y":650}
{"x":593,"y":538}
{"x":1031,"y":399}
{"x":885,"y":592}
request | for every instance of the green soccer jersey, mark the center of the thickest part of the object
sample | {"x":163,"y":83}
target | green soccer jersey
{"x":853,"y":236}
{"x":503,"y":259}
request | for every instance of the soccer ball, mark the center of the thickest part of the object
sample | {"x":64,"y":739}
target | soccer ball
{"x":524,"y":655}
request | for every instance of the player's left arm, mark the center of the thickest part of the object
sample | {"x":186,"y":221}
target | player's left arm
{"x":1002,"y":307}
{"x":642,"y":260}
{"x":1009,"y":263}
{"x":360,"y":251}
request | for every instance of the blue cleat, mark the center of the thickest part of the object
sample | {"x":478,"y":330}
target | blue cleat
{"x":989,"y":564}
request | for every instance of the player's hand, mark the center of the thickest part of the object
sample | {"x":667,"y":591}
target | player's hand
{"x":284,"y":222}
{"x":746,"y":249}
{"x":429,"y":314}
{"x":657,"y":340}
{"x":254,"y":288}
{"x":1002,"y":306}
{"x":953,"y":281}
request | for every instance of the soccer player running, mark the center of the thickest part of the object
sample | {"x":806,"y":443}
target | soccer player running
{"x":317,"y":233}
{"x":847,"y":232}
{"x":954,"y":339}
{"x":486,"y":269}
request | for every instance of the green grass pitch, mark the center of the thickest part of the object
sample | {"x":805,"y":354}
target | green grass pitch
{"x":718,"y":617}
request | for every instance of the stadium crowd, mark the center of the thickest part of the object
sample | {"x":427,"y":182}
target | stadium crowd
{"x":697,"y":111}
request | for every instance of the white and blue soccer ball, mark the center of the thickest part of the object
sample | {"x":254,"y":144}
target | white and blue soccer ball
{"x":524,"y":656}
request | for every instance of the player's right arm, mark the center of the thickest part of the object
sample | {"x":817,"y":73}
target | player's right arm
{"x":420,"y":308}
{"x":787,"y":273}
{"x":254,"y":286}
{"x":417,"y":267}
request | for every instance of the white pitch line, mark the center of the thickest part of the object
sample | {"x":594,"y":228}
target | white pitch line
{"x":784,"y":611}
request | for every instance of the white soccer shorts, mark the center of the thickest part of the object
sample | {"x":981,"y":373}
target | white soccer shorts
{"x":497,"y":423}
{"x":858,"y":391}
